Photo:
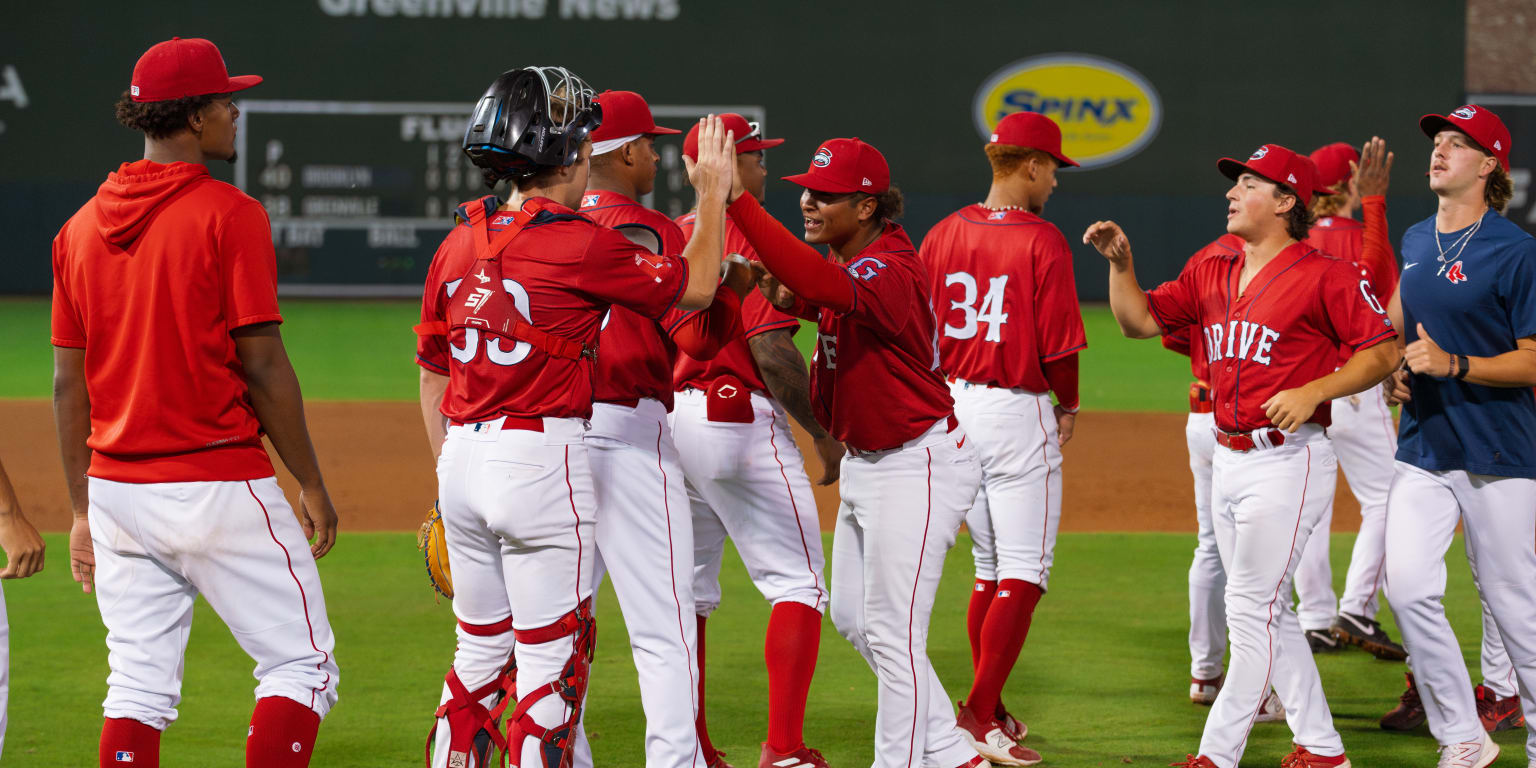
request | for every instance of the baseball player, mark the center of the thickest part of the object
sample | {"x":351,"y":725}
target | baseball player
{"x":1467,"y":439}
{"x":23,"y":557}
{"x":1271,"y":319}
{"x":1001,"y":283}
{"x":510,"y":318}
{"x":168,"y":369}
{"x":876,"y":385}
{"x":1363,"y":435}
{"x":643,"y":533}
{"x":746,"y":479}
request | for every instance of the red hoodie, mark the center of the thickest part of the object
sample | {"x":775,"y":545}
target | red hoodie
{"x":149,"y":278}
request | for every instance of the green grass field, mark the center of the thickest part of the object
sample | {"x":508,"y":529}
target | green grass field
{"x":364,"y":350}
{"x":1102,"y":680}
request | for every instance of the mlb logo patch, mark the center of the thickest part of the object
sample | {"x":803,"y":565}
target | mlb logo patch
{"x":501,"y":221}
{"x":124,"y":757}
{"x":997,"y":215}
{"x":588,"y":201}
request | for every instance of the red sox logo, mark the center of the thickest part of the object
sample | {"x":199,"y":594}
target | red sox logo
{"x":866,"y":268}
{"x":1455,"y":275}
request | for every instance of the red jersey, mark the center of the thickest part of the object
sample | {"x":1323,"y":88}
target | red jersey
{"x":563,"y":271}
{"x":1187,"y":341}
{"x":149,"y":278}
{"x":1282,"y":332}
{"x":1002,"y":282}
{"x":635,"y":357}
{"x":757,"y":316}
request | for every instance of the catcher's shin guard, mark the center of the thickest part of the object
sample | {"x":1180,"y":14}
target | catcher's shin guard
{"x":468,"y":725}
{"x":571,"y":686}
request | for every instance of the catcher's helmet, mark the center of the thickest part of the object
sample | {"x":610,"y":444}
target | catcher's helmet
{"x":530,"y":119}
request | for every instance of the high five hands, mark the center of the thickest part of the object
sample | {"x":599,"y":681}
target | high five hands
{"x":713,"y":176}
{"x":1370,"y":176}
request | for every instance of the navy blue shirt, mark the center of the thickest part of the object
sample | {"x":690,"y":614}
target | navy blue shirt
{"x":1474,"y":301}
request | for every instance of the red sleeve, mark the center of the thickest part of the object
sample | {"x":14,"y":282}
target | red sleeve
{"x":616,"y":271}
{"x":1061,"y":374}
{"x":1377,"y":254}
{"x":758,"y":315}
{"x":432,"y":348}
{"x":1175,"y":304}
{"x":1178,"y":341}
{"x":1351,"y":310}
{"x":701,"y":334}
{"x":798,"y":266}
{"x":1059,"y":321}
{"x":250,"y":267}
{"x":65,"y":328}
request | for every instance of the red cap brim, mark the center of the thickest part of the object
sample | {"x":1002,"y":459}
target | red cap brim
{"x":1232,"y":169}
{"x":242,"y":82}
{"x":1433,"y":124}
{"x":657,"y":130}
{"x":754,"y":145}
{"x":1063,"y":159}
{"x":820,"y":184}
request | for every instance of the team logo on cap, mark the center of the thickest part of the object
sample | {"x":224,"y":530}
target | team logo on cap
{"x":822,"y":159}
{"x":1258,"y":154}
{"x":1107,"y":111}
{"x":1465,"y":113}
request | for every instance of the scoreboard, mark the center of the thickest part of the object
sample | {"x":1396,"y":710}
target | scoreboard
{"x":360,"y":193}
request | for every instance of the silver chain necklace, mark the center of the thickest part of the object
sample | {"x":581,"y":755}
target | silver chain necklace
{"x":1463,"y":240}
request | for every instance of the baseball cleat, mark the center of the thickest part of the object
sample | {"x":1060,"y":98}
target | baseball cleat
{"x":1193,"y":761}
{"x":1497,"y":714}
{"x":1301,"y":758}
{"x":1409,"y":713}
{"x":1272,"y":711}
{"x":992,"y":742}
{"x":976,"y":762}
{"x":1468,"y":754}
{"x":804,"y":757}
{"x":1321,"y":641}
{"x":1013,"y":726}
{"x":716,"y":760}
{"x":1351,"y":629}
{"x":1204,"y":691}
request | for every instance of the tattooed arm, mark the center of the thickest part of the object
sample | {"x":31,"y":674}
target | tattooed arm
{"x":784,"y":373}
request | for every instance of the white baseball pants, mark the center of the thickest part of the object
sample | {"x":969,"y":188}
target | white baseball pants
{"x":900,"y":512}
{"x":1014,"y":521}
{"x":1207,"y":579}
{"x":645,"y":540}
{"x":159,"y":545}
{"x":748,"y":481}
{"x":1498,"y":517}
{"x":518,"y":512}
{"x":1265,"y":504}
{"x":1498,"y":673}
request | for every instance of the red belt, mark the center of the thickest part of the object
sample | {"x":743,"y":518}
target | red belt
{"x":1243,"y":441}
{"x":529,"y":423}
{"x":1200,"y":398}
{"x":950,"y":425}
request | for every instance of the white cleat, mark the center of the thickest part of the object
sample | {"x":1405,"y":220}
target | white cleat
{"x":1477,"y":753}
{"x":1272,"y":711}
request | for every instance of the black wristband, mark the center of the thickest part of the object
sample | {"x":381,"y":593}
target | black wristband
{"x":1462,"y":366}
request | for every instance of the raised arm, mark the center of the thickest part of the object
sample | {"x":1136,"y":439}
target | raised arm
{"x":1126,"y":299}
{"x":712,"y":177}
{"x":799,"y":267}
{"x":279,"y":407}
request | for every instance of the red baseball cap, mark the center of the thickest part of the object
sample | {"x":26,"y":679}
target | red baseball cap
{"x":1332,"y":163}
{"x":843,"y":166}
{"x":1279,"y":165}
{"x":749,"y":138}
{"x":1478,"y":123}
{"x":625,"y":113}
{"x":180,"y":68}
{"x":1032,"y":130}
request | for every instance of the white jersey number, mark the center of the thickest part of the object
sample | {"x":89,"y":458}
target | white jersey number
{"x":991,"y":310}
{"x":493,"y":350}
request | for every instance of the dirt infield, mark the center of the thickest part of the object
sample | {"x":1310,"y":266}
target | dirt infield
{"x":1124,"y":471}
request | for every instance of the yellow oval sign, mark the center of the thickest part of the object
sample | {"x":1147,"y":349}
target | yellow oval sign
{"x":1107,"y":111}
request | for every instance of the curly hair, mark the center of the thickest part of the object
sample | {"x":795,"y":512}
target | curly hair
{"x":161,"y":119}
{"x":1006,"y":158}
{"x":1329,"y":205}
{"x":1299,"y":219}
{"x":1499,"y":189}
{"x":889,"y":204}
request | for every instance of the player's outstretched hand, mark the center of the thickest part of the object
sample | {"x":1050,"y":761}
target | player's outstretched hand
{"x":319,"y":520}
{"x":23,"y":547}
{"x":1289,"y":409}
{"x":714,"y":175}
{"x":1066,"y":424}
{"x":82,"y":554}
{"x":773,"y":290}
{"x":1396,"y":389}
{"x":1370,"y":176}
{"x":1110,"y":240}
{"x":830,"y":451}
{"x":1426,"y":357}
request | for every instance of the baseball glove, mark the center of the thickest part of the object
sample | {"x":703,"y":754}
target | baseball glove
{"x":434,"y":547}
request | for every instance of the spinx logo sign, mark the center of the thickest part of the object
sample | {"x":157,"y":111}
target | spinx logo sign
{"x":1107,"y":111}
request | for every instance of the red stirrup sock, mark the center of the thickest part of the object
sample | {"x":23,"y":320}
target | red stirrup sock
{"x":794,"y":637}
{"x":129,"y":742}
{"x":976,"y":615}
{"x":282,"y":734}
{"x":1002,"y":637}
{"x":705,"y":748}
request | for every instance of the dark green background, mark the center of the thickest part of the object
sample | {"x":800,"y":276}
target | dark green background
{"x":901,"y":75}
